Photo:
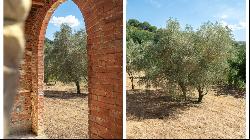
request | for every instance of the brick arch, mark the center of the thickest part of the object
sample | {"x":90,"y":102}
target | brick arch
{"x":103,"y":21}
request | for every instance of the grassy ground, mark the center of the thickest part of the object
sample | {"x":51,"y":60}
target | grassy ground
{"x":65,"y":112}
{"x":154,"y":114}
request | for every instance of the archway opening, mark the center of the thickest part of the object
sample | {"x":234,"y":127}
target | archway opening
{"x":65,"y":74}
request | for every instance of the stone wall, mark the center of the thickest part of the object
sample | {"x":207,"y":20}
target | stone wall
{"x":15,"y":13}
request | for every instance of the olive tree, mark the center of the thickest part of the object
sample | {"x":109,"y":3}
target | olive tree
{"x":191,"y":59}
{"x":214,"y":43}
{"x":138,"y":34}
{"x":237,"y":72}
{"x":48,"y":46}
{"x":69,"y":56}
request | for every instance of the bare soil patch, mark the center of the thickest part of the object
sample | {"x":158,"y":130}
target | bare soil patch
{"x":154,"y":114}
{"x":65,"y":112}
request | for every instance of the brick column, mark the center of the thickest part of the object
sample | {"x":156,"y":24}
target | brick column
{"x":104,"y":20}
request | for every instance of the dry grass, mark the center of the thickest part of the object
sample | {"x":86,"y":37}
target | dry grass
{"x":153,"y":114}
{"x":65,"y":112}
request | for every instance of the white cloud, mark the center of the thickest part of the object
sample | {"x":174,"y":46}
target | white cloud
{"x":243,"y":24}
{"x":234,"y":27}
{"x":224,"y":16}
{"x":231,"y":13}
{"x":155,"y":3}
{"x":71,"y":20}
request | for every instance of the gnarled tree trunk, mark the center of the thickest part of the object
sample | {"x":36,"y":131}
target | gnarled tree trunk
{"x":132,"y":82}
{"x":78,"y":87}
{"x":201,"y":95}
{"x":184,"y":90}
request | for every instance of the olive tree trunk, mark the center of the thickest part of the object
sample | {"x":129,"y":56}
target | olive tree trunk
{"x":184,"y":90}
{"x":78,"y":87}
{"x":132,"y":82}
{"x":201,"y":95}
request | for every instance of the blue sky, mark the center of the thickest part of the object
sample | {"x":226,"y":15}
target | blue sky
{"x":156,"y":12}
{"x":67,"y":12}
{"x":192,"y":12}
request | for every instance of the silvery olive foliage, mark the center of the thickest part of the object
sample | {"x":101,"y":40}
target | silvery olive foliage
{"x":191,"y":59}
{"x":66,"y":56}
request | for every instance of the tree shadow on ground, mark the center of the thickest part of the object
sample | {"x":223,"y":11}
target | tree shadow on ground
{"x":229,"y":90}
{"x":154,"y":104}
{"x":63,"y":94}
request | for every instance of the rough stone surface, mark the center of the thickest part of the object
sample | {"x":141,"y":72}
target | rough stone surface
{"x":15,"y":12}
{"x":103,"y":20}
{"x":13,"y":43}
{"x":27,"y":136}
